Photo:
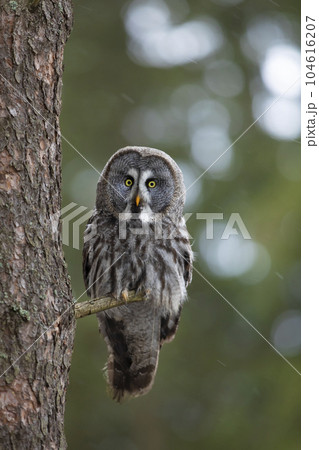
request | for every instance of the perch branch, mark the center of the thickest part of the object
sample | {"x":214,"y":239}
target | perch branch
{"x":96,"y":305}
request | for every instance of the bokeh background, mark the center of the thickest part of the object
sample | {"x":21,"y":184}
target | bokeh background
{"x":189,"y":77}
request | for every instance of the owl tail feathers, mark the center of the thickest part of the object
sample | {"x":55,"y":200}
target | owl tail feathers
{"x":133,"y":348}
{"x":125,"y":382}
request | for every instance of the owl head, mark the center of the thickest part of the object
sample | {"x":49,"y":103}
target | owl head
{"x":141,"y":179}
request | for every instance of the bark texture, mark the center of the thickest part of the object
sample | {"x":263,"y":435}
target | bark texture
{"x":34,"y":286}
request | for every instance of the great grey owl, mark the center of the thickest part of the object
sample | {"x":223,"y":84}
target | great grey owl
{"x":137,"y":240}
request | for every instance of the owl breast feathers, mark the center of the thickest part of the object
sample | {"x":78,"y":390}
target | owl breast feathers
{"x":137,"y":240}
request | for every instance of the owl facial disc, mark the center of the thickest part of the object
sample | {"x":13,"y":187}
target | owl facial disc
{"x":141,"y":180}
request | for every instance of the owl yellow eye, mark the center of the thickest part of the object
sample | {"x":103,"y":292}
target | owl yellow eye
{"x":128,"y":182}
{"x":151,"y":184}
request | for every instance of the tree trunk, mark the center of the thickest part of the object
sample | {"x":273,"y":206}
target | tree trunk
{"x":34,"y":287}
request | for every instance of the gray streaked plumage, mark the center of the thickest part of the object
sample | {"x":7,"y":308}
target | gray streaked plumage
{"x":157,"y":262}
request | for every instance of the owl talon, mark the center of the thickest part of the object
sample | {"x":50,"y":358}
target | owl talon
{"x":124,"y":295}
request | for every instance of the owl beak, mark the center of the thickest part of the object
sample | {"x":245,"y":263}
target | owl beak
{"x":137,"y":200}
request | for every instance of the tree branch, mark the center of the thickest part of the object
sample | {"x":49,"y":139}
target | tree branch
{"x":99,"y":304}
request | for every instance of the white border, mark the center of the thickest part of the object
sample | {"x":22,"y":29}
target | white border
{"x":310,"y":246}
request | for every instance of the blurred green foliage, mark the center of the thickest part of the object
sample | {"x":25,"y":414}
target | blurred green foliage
{"x":219,"y":384}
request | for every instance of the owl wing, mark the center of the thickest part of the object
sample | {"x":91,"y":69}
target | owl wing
{"x":87,"y":255}
{"x":188,"y":266}
{"x":169,"y":322}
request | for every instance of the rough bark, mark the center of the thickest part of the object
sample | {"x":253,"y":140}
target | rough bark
{"x":34,"y":286}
